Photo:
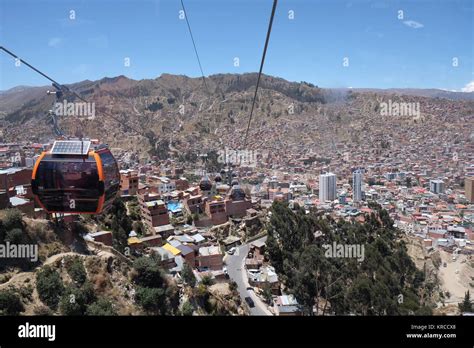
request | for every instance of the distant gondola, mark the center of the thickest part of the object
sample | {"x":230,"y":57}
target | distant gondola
{"x":75,"y":177}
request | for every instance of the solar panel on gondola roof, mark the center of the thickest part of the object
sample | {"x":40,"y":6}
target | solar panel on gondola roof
{"x":70,"y":178}
{"x":74,"y":147}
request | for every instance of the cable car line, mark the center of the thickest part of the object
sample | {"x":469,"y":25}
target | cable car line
{"x":78,"y":177}
{"x":73,"y":176}
{"x":62,"y":88}
{"x":261,"y":67}
{"x":197,"y":55}
{"x":56,"y":84}
{"x":32,"y":67}
{"x":195,"y":49}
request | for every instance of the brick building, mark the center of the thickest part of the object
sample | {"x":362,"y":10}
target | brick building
{"x":153,"y":211}
{"x":216,"y":211}
{"x":13,"y":177}
{"x":210,"y":257}
{"x":193,"y":203}
{"x":469,"y":187}
{"x":128,"y":183}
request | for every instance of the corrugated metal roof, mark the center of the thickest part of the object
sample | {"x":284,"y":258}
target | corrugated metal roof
{"x":184,"y":238}
{"x":185,"y":250}
{"x":12,"y":170}
{"x":209,"y":250}
{"x":133,"y":240}
{"x":198,"y":237}
{"x":288,"y":300}
{"x":100,"y":233}
{"x":174,"y":242}
{"x":15,"y":201}
{"x":171,"y":249}
{"x":153,"y":203}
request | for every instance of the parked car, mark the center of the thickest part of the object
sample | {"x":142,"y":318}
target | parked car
{"x":231,"y":251}
{"x":250,"y":302}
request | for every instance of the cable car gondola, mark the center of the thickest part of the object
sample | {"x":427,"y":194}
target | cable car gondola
{"x":75,"y":177}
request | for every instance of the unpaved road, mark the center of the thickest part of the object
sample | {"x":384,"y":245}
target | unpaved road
{"x":456,"y":276}
{"x":22,"y":276}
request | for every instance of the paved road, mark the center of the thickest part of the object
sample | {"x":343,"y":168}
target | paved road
{"x":237,"y":272}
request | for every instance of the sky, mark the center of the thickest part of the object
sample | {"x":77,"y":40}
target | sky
{"x":330,"y":43}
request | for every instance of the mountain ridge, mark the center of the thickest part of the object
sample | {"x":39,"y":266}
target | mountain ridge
{"x":174,"y":115}
{"x":429,"y":92}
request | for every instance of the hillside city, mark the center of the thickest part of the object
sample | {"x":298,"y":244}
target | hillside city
{"x":206,"y":220}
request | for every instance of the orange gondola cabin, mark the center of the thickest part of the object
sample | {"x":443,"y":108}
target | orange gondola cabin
{"x":75,"y":177}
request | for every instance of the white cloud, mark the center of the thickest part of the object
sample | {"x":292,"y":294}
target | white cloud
{"x":469,"y":87}
{"x":413,"y":24}
{"x":448,"y":90}
{"x":54,"y":41}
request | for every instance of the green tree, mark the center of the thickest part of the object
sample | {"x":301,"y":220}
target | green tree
{"x":187,"y":309}
{"x":188,"y":275}
{"x":134,"y":209}
{"x":102,"y":307}
{"x":75,"y":300}
{"x":274,"y":252}
{"x":72,"y":302}
{"x":15,"y":236}
{"x":343,"y":285}
{"x":119,"y":222}
{"x":13,"y":219}
{"x":148,"y":273}
{"x":207,"y":280}
{"x":267,"y":294}
{"x":10,"y":303}
{"x":75,"y":269}
{"x":50,"y":286}
{"x":152,"y":300}
{"x":154,"y":293}
{"x":360,"y":294}
{"x":466,"y":304}
{"x":202,"y":294}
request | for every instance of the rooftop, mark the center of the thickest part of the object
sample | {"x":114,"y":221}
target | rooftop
{"x":16,"y":201}
{"x":172,"y":249}
{"x":13,"y":170}
{"x":209,"y":250}
{"x":164,"y":228}
{"x":156,"y":202}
